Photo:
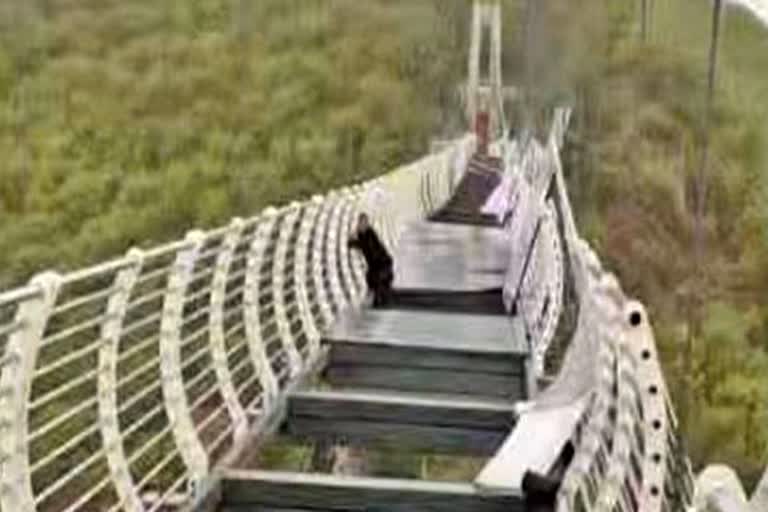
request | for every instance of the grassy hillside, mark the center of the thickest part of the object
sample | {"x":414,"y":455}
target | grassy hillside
{"x":127,"y":122}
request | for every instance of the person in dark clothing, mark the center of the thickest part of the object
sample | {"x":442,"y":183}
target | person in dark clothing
{"x":380,"y":274}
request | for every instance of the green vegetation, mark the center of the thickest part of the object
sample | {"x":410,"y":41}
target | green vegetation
{"x":634,"y":155}
{"x":127,"y":122}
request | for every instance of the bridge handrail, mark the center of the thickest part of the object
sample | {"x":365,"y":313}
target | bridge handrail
{"x":531,"y":168}
{"x":627,"y":452}
{"x":123,"y":384}
{"x":626,"y":458}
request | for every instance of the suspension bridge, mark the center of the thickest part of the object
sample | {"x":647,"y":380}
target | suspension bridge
{"x":154,"y":382}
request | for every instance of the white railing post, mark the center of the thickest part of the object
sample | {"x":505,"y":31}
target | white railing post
{"x":111,"y":331}
{"x":332,"y":251}
{"x":656,"y":426}
{"x":189,"y":444}
{"x":252,"y":311}
{"x":617,"y":473}
{"x":596,"y":313}
{"x":217,"y":336}
{"x":402,"y":200}
{"x":445,"y":177}
{"x":279,"y":272}
{"x":475,"y":56}
{"x":347,"y":218}
{"x":436,"y":171}
{"x":545,"y":284}
{"x":301,"y":276}
{"x":23,"y":346}
{"x":325,"y":208}
{"x":425,"y":187}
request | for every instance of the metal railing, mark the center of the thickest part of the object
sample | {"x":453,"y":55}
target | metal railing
{"x":627,"y":455}
{"x":122,"y":385}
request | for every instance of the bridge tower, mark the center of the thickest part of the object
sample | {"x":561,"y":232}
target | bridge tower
{"x":484,"y":103}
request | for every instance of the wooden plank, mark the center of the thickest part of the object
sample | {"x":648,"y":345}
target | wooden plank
{"x":327,"y":492}
{"x":344,"y":353}
{"x":451,"y":412}
{"x":535,"y":444}
{"x":426,"y":380}
{"x":399,"y":436}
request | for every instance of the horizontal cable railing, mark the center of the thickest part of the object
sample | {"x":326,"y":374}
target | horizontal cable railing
{"x":124,"y":384}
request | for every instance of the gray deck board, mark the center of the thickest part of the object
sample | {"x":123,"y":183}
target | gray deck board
{"x":511,"y":387}
{"x":444,"y":331}
{"x":326,"y":492}
{"x":403,"y":407}
{"x":347,"y":354}
{"x":399,"y":437}
{"x":428,"y":352}
{"x":454,"y":425}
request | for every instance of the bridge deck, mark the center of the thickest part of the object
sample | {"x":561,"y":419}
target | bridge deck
{"x":436,"y":372}
{"x":499,"y":335}
{"x":478,"y":355}
{"x":451,"y":257}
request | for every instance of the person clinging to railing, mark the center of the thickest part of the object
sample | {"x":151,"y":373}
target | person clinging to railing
{"x":380,"y":274}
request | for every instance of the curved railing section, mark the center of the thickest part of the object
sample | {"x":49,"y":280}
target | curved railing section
{"x":124,"y":384}
{"x":627,"y":453}
{"x":535,"y":280}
